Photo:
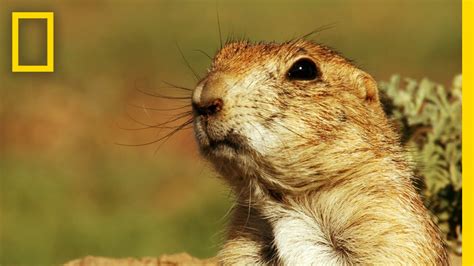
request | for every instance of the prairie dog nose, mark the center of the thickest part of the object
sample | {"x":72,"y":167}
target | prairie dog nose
{"x":210,"y":108}
{"x":208,"y":96}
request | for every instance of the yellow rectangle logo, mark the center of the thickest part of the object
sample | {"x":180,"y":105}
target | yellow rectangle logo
{"x":49,"y":67}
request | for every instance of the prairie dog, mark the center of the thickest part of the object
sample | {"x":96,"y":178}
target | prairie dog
{"x":318,"y":173}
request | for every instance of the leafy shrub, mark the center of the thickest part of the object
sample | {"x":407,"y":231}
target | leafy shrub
{"x":429,"y":117}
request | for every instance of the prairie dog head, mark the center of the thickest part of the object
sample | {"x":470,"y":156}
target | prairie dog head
{"x":281,"y":114}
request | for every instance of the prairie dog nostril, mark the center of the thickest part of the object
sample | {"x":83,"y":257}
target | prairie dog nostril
{"x":210,"y":108}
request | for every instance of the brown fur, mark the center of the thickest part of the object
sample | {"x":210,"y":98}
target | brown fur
{"x":317,"y":170}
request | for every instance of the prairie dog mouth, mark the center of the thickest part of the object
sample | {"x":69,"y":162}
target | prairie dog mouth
{"x":230,"y":143}
{"x":225,"y":142}
{"x":209,"y":142}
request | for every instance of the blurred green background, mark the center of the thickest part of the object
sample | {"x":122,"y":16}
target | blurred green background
{"x":68,"y":190}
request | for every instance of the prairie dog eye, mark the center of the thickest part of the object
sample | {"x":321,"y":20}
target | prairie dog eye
{"x":303,"y":69}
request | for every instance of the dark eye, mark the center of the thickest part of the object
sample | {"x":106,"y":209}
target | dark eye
{"x":303,"y":69}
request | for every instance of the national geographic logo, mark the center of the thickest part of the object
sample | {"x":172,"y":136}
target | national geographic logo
{"x":49,"y":17}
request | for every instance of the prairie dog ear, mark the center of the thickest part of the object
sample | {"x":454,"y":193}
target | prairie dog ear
{"x":367,"y":88}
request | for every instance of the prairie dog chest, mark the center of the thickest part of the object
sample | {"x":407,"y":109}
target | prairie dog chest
{"x":299,"y":240}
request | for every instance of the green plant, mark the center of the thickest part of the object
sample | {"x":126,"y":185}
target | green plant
{"x":429,"y":117}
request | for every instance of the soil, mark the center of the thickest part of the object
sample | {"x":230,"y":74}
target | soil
{"x":169,"y":260}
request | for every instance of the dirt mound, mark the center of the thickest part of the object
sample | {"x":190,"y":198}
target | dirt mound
{"x":175,"y":259}
{"x":169,"y":260}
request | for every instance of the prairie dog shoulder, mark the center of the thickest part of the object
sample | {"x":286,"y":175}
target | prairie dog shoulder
{"x":299,"y":134}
